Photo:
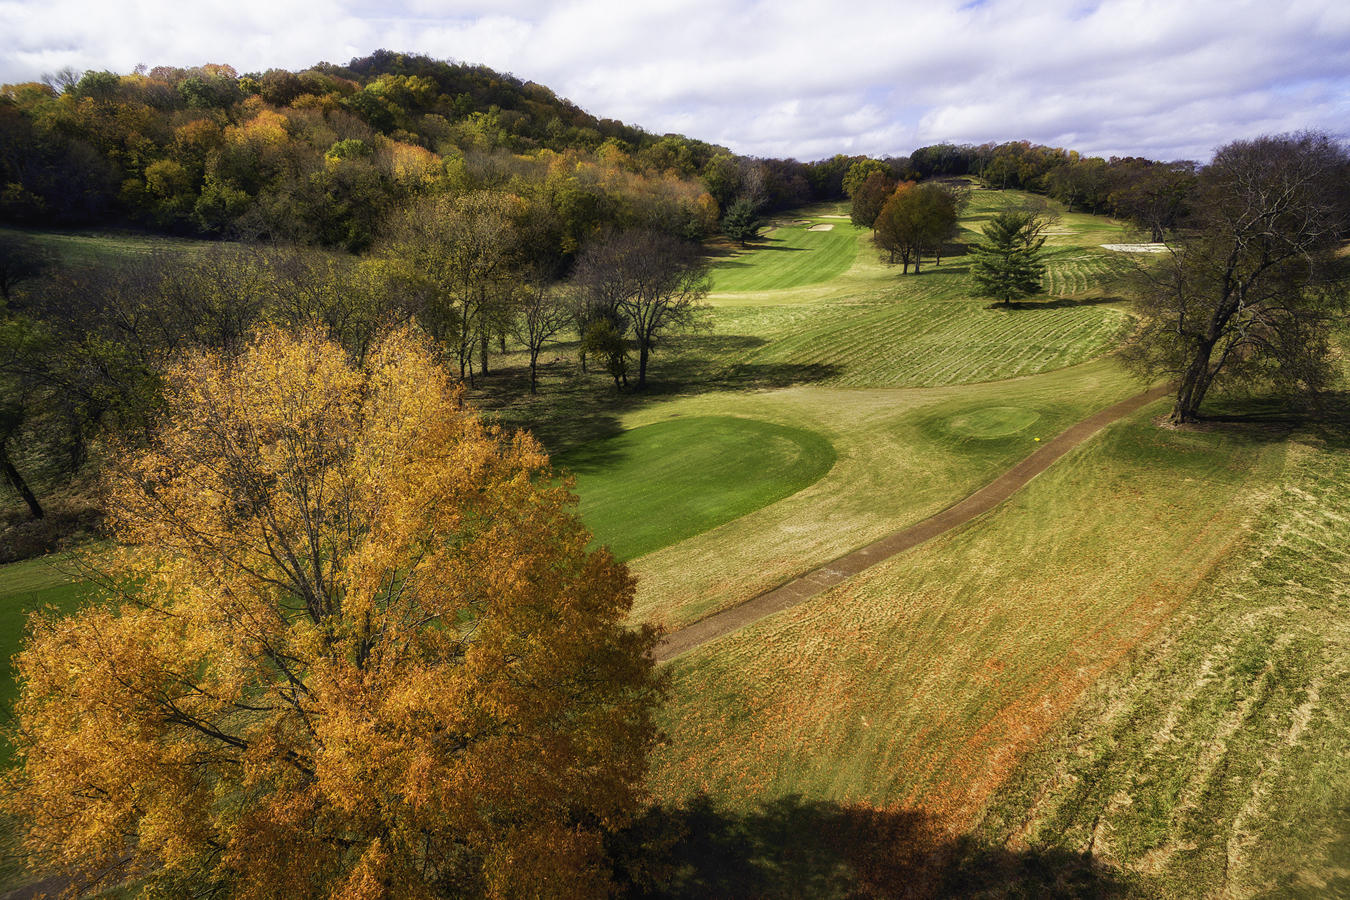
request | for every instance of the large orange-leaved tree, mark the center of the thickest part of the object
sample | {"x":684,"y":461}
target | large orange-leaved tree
{"x":355,"y":646}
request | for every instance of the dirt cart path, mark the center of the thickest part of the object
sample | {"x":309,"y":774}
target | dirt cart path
{"x":817,"y":581}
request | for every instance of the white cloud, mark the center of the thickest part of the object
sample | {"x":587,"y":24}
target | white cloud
{"x":792,"y":77}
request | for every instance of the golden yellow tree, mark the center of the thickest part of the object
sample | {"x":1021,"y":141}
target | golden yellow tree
{"x":360,"y":649}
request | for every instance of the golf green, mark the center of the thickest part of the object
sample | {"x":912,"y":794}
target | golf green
{"x":653,"y":486}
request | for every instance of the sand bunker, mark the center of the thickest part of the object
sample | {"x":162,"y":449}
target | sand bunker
{"x":827,"y":226}
{"x":1137,"y":248}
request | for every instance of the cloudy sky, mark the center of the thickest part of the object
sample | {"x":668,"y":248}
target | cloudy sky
{"x":806,"y":78}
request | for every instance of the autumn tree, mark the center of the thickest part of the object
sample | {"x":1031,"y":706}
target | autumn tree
{"x":896,"y":229}
{"x":1007,"y":263}
{"x":1252,"y":283}
{"x":646,"y":279}
{"x":455,"y":252}
{"x":356,"y":647}
{"x":869,"y":198}
{"x":862,"y":169}
{"x":915,"y":219}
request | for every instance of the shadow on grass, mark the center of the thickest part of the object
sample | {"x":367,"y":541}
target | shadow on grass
{"x":1057,"y":303}
{"x":573,"y":407}
{"x":799,"y":848}
{"x":1325,"y":416}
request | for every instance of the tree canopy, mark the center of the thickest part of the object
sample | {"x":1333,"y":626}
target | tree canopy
{"x":915,"y":219}
{"x":356,"y":646}
{"x":1253,"y":280}
{"x":641,"y":280}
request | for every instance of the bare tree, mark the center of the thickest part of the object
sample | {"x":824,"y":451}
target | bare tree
{"x":456,"y":250}
{"x":1252,"y":283}
{"x":540,"y":312}
{"x":648,"y":279}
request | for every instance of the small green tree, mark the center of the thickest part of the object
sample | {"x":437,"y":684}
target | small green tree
{"x":741,"y":222}
{"x":1008,"y":262}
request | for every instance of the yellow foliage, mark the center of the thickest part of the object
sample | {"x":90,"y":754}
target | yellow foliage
{"x":362,"y":649}
{"x":411,"y":165}
{"x":267,"y":127}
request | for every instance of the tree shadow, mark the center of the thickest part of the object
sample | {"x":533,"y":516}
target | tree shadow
{"x":1059,"y":303}
{"x":1325,"y":416}
{"x":793,"y":847}
{"x":574,"y":408}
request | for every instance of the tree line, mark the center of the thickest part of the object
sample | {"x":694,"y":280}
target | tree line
{"x":1150,"y":194}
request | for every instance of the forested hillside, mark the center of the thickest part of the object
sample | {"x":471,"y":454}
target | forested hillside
{"x":318,"y":156}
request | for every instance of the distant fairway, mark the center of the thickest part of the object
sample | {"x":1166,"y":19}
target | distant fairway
{"x":790,"y":256}
{"x":865,"y":324}
{"x":924,"y":343}
{"x":652,"y":486}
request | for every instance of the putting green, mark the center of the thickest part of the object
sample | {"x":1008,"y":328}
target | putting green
{"x":653,"y":486}
{"x":993,"y":421}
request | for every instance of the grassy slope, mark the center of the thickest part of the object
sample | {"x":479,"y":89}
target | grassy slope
{"x":1217,"y":757}
{"x":652,"y":486}
{"x":920,"y":682}
{"x":1080,"y":655}
{"x":869,"y":326}
{"x":102,"y":248}
{"x":902,"y":455}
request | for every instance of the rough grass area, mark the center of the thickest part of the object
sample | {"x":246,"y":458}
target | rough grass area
{"x":654,"y":485}
{"x":790,"y":255}
{"x":919,"y":684}
{"x":1215,"y":760}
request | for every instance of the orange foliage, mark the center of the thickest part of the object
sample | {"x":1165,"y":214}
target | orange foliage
{"x":361,"y":650}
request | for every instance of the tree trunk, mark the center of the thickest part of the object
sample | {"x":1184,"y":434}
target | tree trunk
{"x":534,"y":367}
{"x":16,"y":481}
{"x":1193,"y":386}
{"x":642,"y":365}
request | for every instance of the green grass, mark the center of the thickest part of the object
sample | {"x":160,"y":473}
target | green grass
{"x":902,"y":455}
{"x":86,"y":248}
{"x":25,"y":587}
{"x":919,"y":337}
{"x":868,"y":325}
{"x":1142,"y":653}
{"x":658,"y":484}
{"x":790,"y":255}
